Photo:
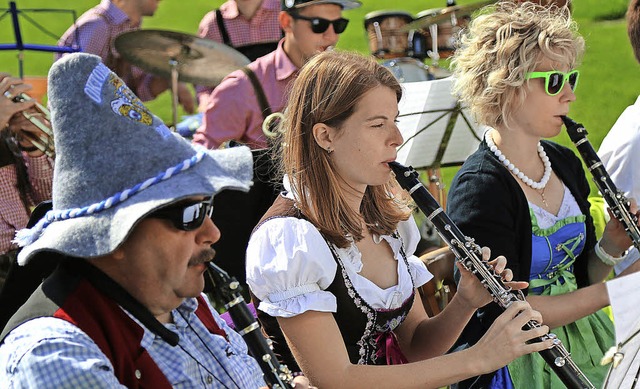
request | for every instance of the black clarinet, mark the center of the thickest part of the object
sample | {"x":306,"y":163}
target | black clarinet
{"x":228,"y":292}
{"x":616,"y":200}
{"x":469,"y":254}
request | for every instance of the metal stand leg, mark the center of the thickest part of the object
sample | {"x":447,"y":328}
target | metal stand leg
{"x":174,"y":92}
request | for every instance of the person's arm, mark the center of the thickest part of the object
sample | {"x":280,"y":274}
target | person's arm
{"x":40,"y":170}
{"x":12,"y":212}
{"x":229,"y":112}
{"x":423,"y":337}
{"x":49,"y":353}
{"x":92,"y":37}
{"x":317,"y":344}
{"x":207,"y":29}
{"x":289,"y":268}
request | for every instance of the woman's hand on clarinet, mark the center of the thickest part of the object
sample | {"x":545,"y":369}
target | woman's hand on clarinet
{"x":9,"y":88}
{"x":506,"y":339}
{"x":615,"y":240}
{"x":299,"y":382}
{"x":473,"y":292}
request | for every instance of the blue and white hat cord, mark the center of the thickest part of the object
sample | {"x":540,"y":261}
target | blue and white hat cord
{"x":26,"y":236}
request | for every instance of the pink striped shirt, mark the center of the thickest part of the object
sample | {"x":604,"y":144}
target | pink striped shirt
{"x":95,"y":32}
{"x":13,"y":215}
{"x":261,"y":28}
{"x":232,"y":110}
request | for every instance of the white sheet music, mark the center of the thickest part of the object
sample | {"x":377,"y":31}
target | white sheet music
{"x":624,"y":294}
{"x":421,"y":146}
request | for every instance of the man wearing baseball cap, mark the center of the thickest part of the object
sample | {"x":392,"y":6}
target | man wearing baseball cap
{"x":237,"y":108}
{"x":131,"y":231}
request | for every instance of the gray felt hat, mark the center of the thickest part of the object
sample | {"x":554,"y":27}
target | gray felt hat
{"x":116,"y":163}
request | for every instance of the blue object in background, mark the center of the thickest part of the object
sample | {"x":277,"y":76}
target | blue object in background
{"x":189,"y":125}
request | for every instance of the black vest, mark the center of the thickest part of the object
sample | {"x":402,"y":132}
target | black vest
{"x":363,"y":328}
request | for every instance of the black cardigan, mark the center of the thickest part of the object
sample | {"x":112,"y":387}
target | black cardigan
{"x":487,"y":204}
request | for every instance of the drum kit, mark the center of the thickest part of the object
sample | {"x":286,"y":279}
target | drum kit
{"x":403,"y":41}
{"x":398,"y":38}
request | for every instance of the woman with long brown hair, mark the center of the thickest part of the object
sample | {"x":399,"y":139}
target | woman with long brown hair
{"x":331,"y":264}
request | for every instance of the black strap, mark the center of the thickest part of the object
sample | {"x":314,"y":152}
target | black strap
{"x":262,"y":98}
{"x":117,"y":293}
{"x":222,"y":28}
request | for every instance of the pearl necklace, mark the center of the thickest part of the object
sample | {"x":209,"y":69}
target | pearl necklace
{"x":516,"y":172}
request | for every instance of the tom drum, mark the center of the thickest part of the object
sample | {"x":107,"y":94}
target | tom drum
{"x":386,"y":36}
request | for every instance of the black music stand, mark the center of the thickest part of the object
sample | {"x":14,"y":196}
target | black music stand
{"x":437,"y":133}
{"x":437,"y":130}
{"x":19,"y":44}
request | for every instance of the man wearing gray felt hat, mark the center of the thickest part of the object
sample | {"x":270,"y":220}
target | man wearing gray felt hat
{"x":131,"y":230}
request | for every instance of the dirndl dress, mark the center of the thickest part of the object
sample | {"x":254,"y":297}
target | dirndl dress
{"x":556,"y":243}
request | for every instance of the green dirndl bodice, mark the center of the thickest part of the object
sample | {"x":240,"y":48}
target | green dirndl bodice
{"x":554,"y":251}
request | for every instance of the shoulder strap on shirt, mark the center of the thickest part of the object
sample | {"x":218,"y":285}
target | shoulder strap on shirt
{"x":222,"y":28}
{"x":262,"y":98}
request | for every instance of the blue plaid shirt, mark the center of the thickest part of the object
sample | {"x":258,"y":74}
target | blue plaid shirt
{"x":53,"y":353}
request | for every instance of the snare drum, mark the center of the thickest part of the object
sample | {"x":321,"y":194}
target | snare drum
{"x":408,"y":69}
{"x":385,"y":34}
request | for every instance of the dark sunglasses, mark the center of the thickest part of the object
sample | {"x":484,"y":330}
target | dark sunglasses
{"x":186,"y":217}
{"x":554,"y":80}
{"x":320,"y":25}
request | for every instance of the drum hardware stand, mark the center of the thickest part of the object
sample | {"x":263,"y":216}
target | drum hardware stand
{"x":20,"y":45}
{"x":378,"y":32}
{"x":433,"y":30}
{"x":174,"y":92}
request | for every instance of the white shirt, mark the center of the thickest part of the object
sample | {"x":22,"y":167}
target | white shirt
{"x":620,"y":155}
{"x":290,"y":266}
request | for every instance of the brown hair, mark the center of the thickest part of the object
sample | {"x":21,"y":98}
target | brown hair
{"x":327,"y":91}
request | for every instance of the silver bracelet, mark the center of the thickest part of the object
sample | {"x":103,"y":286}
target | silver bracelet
{"x":609,"y":259}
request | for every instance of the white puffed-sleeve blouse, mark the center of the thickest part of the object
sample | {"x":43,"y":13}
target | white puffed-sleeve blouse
{"x":290,"y":266}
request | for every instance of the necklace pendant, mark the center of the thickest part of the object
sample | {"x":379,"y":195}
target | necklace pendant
{"x":544,"y":200}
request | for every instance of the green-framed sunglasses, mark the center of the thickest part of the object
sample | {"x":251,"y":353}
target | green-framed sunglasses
{"x":554,"y":80}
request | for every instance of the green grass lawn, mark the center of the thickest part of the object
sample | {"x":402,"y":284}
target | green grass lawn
{"x":609,"y":80}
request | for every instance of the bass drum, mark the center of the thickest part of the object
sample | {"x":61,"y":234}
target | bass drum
{"x":408,"y":69}
{"x":385,"y":33}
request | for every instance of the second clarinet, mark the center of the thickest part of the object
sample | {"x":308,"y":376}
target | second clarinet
{"x":227,"y":291}
{"x":468,"y":253}
{"x":616,"y":200}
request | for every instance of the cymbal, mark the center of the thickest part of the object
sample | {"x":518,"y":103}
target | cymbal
{"x":444,"y":15}
{"x":197,"y":60}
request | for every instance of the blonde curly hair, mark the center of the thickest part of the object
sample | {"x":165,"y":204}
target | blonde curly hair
{"x":501,"y":46}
